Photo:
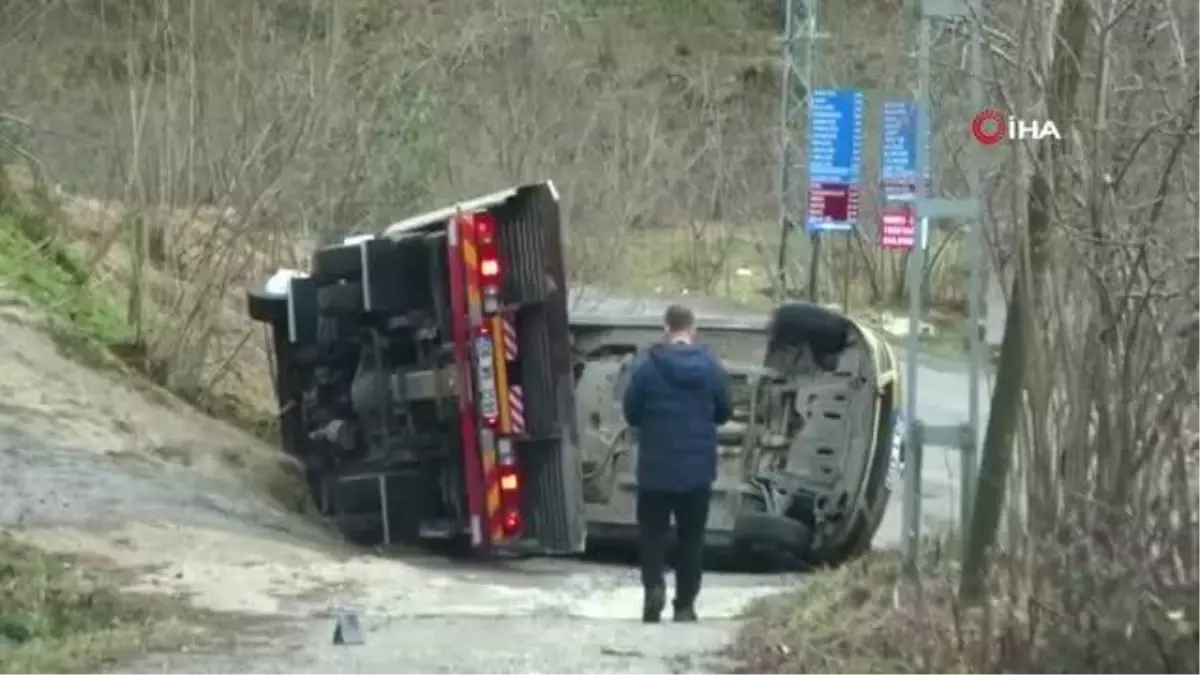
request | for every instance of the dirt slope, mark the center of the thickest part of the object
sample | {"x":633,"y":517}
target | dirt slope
{"x":91,"y":462}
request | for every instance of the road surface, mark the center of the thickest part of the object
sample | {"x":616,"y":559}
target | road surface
{"x":89,"y":463}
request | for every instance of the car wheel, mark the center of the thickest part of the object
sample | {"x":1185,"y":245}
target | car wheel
{"x":776,"y":531}
{"x":771,"y":541}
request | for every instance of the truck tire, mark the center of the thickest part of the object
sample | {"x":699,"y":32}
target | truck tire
{"x":334,"y":347}
{"x":340,"y":299}
{"x":270,"y":309}
{"x":337,"y":262}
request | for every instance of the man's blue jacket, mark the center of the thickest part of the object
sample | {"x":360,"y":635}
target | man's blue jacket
{"x":678,"y":395}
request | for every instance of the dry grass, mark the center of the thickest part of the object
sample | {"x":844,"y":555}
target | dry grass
{"x":230,"y":377}
{"x":734,"y":260}
{"x":315,"y":124}
{"x":47,"y":255}
{"x":228,"y":374}
{"x":1045,"y":615}
{"x":827,"y":625}
{"x":62,"y":614}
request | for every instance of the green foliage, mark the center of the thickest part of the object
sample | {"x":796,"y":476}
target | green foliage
{"x":36,"y":263}
{"x":42,"y":597}
{"x":49,"y":276}
{"x":13,"y":135}
{"x":57,"y":615}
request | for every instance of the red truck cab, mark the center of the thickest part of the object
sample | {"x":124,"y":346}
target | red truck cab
{"x":424,"y":377}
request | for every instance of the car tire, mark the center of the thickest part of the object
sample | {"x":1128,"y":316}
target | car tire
{"x":770,"y":542}
{"x":777,"y":531}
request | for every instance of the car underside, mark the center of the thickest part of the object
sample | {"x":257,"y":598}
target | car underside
{"x":808,"y":459}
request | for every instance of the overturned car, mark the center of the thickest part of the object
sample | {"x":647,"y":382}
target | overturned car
{"x":814,"y":448}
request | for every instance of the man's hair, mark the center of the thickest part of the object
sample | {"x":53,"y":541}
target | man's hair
{"x":679,"y":319}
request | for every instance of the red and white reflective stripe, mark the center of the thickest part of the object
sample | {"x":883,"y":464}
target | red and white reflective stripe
{"x":516,"y":409}
{"x":510,"y":339}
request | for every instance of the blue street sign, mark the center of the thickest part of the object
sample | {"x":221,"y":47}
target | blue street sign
{"x":899,"y":141}
{"x":899,"y":164}
{"x":835,"y":136}
{"x":834,"y":159}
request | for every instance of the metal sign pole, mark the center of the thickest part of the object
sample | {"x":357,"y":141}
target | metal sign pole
{"x":975,"y":258}
{"x":798,"y":51}
{"x":916,"y":265}
{"x":928,"y":210}
{"x":812,"y":7}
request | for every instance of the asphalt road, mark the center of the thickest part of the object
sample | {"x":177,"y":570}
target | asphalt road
{"x":942,"y":391}
{"x":235,"y":552}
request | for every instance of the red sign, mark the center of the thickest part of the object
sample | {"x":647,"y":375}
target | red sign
{"x":897,"y":226}
{"x":897,"y":221}
{"x":832,"y":207}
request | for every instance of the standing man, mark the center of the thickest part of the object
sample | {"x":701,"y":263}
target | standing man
{"x":677,"y":397}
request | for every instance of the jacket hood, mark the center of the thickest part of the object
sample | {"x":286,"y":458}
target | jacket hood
{"x":684,"y":366}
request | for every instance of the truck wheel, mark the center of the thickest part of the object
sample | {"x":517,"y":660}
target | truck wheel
{"x":268,"y":308}
{"x":340,"y":299}
{"x":337,"y":262}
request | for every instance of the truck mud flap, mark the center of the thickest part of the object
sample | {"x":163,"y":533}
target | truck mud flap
{"x":531,"y":243}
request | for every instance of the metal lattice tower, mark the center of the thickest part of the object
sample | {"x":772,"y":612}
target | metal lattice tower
{"x":799,"y":55}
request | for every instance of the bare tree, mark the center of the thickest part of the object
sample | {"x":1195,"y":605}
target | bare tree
{"x":1096,"y":385}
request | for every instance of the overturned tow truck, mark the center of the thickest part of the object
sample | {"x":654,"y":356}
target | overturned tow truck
{"x":424,"y":378}
{"x":814,"y":447}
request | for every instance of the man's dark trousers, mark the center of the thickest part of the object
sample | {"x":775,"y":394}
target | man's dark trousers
{"x":654,"y":511}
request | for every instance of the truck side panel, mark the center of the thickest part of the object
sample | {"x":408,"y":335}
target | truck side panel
{"x":531,"y":244}
{"x":467,"y":418}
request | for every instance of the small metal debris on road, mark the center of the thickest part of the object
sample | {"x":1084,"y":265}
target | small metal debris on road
{"x":347,"y":630}
{"x":625,"y":653}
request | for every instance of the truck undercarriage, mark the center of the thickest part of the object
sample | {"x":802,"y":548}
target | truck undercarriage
{"x":424,"y":379}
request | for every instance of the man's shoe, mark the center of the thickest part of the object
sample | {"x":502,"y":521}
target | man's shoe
{"x":686,"y":614}
{"x":652,"y":605}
